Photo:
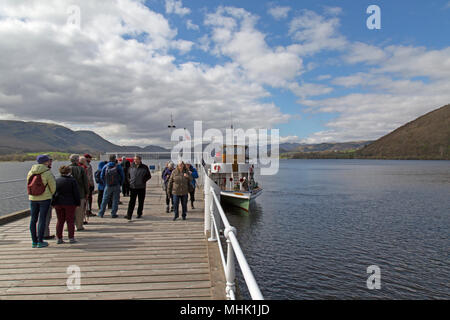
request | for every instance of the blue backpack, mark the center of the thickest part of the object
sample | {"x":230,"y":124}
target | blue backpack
{"x":98,"y":176}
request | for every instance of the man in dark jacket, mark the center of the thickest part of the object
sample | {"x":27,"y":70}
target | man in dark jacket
{"x":83,"y":187}
{"x":126,"y":171}
{"x":139,"y":175}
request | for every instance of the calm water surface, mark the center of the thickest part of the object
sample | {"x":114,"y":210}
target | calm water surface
{"x":13,"y":195}
{"x":320,"y":223}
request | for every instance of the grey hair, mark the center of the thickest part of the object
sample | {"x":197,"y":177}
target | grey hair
{"x":74,"y":158}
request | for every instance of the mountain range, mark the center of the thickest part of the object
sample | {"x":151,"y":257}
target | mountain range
{"x":427,"y":137}
{"x":23,"y":137}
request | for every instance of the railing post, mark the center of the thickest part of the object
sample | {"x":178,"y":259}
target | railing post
{"x":208,"y":200}
{"x":213,"y":236}
{"x":230,"y":273}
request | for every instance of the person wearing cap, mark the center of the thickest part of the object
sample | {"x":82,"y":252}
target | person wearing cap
{"x":170,"y":166}
{"x":83,"y":187}
{"x":39,"y":204}
{"x":90,"y":174}
{"x":65,"y":201}
{"x":179,"y":186}
{"x":47,"y":235}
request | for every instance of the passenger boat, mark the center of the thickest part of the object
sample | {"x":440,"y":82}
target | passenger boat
{"x":235,"y":177}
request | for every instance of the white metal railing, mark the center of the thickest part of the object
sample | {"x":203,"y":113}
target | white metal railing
{"x":12,"y":181}
{"x":213,"y":209}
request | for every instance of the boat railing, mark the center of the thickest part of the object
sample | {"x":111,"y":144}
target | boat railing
{"x":214,"y":219}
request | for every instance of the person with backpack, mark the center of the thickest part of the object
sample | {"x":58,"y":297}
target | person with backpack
{"x":41,"y":186}
{"x":90,"y":174}
{"x":139,"y":175}
{"x":112,"y":175}
{"x":170,"y":166}
{"x":47,"y":235}
{"x":100,"y":184}
{"x":193,"y":185}
{"x":126,"y":171}
{"x":65,"y":201}
{"x":83,"y":187}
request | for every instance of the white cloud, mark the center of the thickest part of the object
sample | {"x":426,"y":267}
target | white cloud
{"x":279,"y":12}
{"x":360,"y":52}
{"x":234,"y":35}
{"x":315,"y":33}
{"x":192,"y":26}
{"x":176,"y":7}
{"x":124,"y":87}
{"x":394,"y":97}
{"x":309,"y":89}
{"x":332,"y":11}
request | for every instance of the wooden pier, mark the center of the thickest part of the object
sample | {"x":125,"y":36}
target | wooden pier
{"x":149,"y":258}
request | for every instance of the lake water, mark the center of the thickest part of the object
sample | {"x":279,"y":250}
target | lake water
{"x":320,"y":223}
{"x":13,"y":195}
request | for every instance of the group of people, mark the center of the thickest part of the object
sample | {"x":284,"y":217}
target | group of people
{"x":71,"y":193}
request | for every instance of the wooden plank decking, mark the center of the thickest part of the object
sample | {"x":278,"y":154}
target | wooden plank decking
{"x":152,"y":258}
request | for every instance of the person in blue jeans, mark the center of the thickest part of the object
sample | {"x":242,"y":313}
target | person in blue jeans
{"x":178,"y":185}
{"x":112,"y":176}
{"x":41,"y":186}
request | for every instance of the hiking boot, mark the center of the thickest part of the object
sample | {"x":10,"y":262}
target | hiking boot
{"x":42,"y":244}
{"x":114,"y":217}
{"x":127,"y":217}
{"x":60,"y":241}
{"x":184,"y":218}
{"x":139,"y":217}
{"x":85,"y":222}
{"x":73,"y":241}
{"x":49,"y":237}
{"x":34,"y":245}
{"x":192,"y":206}
{"x":167,"y":209}
{"x":171,"y":209}
{"x":175,"y":218}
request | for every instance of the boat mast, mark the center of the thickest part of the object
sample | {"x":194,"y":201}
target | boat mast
{"x":171,"y":127}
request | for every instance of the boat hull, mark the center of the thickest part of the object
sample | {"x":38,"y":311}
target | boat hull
{"x":238,"y":199}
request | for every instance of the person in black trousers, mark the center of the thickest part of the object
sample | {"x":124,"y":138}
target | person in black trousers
{"x":139,"y":175}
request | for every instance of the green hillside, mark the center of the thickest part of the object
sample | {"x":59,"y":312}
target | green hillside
{"x":19,"y":137}
{"x":427,"y":137}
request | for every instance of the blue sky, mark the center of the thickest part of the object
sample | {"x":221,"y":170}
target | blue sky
{"x":408,"y":23}
{"x":310,"y":68}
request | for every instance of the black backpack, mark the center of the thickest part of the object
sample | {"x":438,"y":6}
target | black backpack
{"x":112,"y":176}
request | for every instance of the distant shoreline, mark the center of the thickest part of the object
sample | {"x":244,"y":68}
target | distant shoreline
{"x":354,"y":154}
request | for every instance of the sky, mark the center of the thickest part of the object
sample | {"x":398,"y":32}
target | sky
{"x":312,"y":69}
